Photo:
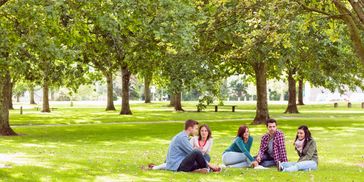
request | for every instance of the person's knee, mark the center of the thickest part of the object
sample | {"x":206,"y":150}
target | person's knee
{"x":197,"y":152}
{"x":226,"y":159}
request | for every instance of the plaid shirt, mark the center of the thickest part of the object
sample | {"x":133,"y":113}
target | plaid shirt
{"x":279,"y":148}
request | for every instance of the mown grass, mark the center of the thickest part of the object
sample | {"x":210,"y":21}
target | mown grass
{"x":94,"y":145}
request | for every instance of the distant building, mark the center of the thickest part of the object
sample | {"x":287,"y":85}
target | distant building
{"x":320,"y":94}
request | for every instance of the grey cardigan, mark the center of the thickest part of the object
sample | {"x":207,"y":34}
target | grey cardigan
{"x":309,"y":152}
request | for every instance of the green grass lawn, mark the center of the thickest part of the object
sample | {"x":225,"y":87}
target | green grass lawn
{"x":85,"y":143}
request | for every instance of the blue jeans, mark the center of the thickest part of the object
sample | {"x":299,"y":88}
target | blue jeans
{"x":299,"y":166}
{"x":235,"y":159}
{"x":267,"y":160}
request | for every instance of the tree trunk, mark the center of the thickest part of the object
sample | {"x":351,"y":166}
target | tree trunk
{"x":11,"y":107}
{"x":125,"y":107}
{"x":5,"y":129}
{"x":172,"y":100}
{"x":31,"y":91}
{"x":147,"y":94}
{"x":177,"y":103}
{"x":110,"y":90}
{"x":45,"y":97}
{"x":262,"y":113}
{"x":17,"y":98}
{"x":300,"y":92}
{"x":292,"y":103}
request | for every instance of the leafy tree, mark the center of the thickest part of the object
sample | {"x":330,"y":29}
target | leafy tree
{"x":239,"y":87}
{"x":351,"y":13}
{"x":310,"y":54}
{"x":247,"y":36}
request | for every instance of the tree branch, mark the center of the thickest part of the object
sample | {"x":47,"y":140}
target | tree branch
{"x":305,"y":7}
{"x":2,"y":2}
{"x":353,"y":30}
{"x":340,"y":16}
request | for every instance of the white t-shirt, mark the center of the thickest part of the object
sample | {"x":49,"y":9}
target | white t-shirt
{"x":195,"y":144}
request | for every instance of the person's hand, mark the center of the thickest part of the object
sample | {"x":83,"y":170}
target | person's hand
{"x":258,"y":159}
{"x":255,"y":164}
{"x":214,"y":167}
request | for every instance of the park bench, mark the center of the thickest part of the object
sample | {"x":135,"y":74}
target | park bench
{"x":232,"y":107}
{"x":217,"y":107}
{"x":349,"y":105}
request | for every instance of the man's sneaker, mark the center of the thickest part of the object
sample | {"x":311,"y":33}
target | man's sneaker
{"x":260,"y":167}
{"x":150,"y":166}
{"x":279,"y":166}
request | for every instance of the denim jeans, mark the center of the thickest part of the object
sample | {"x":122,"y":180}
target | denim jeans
{"x":299,"y":166}
{"x":267,"y":160}
{"x":235,"y":159}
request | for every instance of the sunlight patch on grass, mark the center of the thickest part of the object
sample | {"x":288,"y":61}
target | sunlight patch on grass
{"x":157,"y":141}
{"x":337,"y":161}
{"x":69,"y":166}
{"x":85,"y":121}
{"x":37,"y":145}
{"x":124,"y":177}
{"x":20,"y":159}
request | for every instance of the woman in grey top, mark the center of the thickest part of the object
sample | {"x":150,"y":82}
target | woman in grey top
{"x":306,"y":149}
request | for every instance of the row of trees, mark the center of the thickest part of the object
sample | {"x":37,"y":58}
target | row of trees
{"x":234,"y":88}
{"x":178,"y":45}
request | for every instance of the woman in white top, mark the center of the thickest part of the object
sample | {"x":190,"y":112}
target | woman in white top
{"x":202,"y":142}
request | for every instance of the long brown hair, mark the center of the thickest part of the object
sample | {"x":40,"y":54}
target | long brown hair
{"x":241,"y":131}
{"x":308,"y":136}
{"x":208,"y":131}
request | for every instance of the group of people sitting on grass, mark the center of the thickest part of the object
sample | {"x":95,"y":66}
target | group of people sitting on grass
{"x":192,"y":155}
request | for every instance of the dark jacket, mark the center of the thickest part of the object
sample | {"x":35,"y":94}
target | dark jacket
{"x":309,"y":152}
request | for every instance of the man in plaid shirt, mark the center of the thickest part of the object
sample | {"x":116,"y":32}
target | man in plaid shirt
{"x":272,"y":148}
